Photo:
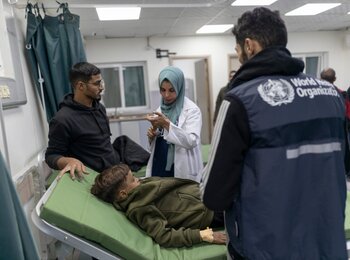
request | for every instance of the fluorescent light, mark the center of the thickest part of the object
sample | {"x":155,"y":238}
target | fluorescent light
{"x":252,"y":2}
{"x":218,"y":28}
{"x":118,"y":13}
{"x":312,"y":9}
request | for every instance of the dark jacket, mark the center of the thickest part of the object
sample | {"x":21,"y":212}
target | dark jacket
{"x":168,"y":209}
{"x":81,"y":132}
{"x":278,"y":158}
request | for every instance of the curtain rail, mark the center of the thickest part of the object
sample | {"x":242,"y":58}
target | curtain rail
{"x":72,"y":6}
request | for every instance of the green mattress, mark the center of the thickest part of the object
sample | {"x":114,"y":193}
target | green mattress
{"x":71,"y":207}
{"x":205,"y":152}
{"x":347,"y":217}
{"x":50,"y":179}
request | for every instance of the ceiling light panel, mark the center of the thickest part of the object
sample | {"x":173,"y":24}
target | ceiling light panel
{"x":312,"y":9}
{"x":217,"y":28}
{"x":118,"y":13}
{"x":252,"y":2}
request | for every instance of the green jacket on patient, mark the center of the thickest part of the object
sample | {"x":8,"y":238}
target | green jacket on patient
{"x":168,"y":209}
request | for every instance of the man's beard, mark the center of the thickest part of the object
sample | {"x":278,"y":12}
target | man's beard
{"x":95,"y":97}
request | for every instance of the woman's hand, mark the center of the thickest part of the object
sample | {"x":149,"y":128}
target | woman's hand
{"x":158,"y":120}
{"x":151,"y":133}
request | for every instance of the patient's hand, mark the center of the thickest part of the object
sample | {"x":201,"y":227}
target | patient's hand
{"x":219,"y":238}
{"x":208,"y":235}
{"x":73,"y":166}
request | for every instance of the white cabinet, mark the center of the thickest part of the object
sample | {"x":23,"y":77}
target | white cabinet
{"x":12,"y":89}
{"x":6,"y":65}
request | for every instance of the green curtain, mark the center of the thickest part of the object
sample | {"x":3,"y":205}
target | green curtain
{"x":16,"y":238}
{"x":53,"y":46}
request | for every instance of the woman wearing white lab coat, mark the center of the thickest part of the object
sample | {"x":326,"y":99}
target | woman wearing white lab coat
{"x":175,"y":132}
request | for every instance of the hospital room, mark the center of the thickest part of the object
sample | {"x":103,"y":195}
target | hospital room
{"x":187,"y":129}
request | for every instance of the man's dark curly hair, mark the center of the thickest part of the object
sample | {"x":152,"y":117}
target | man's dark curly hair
{"x":263,"y":25}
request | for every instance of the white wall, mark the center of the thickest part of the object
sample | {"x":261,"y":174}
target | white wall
{"x":25,"y":126}
{"x":331,"y":42}
{"x":217,"y":48}
{"x":135,"y":49}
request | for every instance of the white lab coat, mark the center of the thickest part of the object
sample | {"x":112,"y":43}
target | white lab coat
{"x":186,"y":136}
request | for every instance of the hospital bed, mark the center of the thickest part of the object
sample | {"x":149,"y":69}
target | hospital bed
{"x":69,"y":213}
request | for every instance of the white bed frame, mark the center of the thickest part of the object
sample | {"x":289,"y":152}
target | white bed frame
{"x":62,"y":242}
{"x":69,"y":240}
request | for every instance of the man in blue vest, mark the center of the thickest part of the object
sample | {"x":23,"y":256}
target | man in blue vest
{"x":277,"y":165}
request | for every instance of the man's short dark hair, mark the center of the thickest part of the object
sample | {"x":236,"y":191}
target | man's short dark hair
{"x":82,"y":71}
{"x":263,"y":25}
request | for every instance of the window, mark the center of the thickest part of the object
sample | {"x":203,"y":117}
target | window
{"x":125,"y":88}
{"x":314,"y":62}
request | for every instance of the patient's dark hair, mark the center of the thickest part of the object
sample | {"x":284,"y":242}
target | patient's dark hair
{"x":109,"y":182}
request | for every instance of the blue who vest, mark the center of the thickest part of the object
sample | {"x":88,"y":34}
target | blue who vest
{"x":293,"y":188}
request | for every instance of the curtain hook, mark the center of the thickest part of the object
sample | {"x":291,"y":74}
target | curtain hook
{"x":43,"y":7}
{"x":27,"y":10}
{"x":59,"y":6}
{"x":36,"y":9}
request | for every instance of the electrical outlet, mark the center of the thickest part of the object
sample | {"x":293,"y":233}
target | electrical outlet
{"x":5,"y":91}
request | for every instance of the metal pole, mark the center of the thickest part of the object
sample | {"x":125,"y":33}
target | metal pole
{"x":4,"y":138}
{"x":41,"y":81}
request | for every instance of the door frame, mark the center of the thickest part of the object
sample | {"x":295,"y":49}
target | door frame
{"x":230,"y":65}
{"x":209,"y":82}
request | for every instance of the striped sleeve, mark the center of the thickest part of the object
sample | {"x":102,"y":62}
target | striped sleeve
{"x":221,"y":176}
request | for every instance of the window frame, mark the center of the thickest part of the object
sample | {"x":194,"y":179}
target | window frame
{"x":321,"y":60}
{"x":123,"y":109}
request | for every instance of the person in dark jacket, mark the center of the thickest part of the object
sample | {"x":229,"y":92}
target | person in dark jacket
{"x":168,"y":209}
{"x":221,"y":95}
{"x":328,"y":74}
{"x":79,"y":133}
{"x":278,"y":159}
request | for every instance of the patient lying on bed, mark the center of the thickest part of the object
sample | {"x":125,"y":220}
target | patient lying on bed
{"x":167,"y":209}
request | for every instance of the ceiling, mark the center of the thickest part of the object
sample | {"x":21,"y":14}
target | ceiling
{"x":167,"y":18}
